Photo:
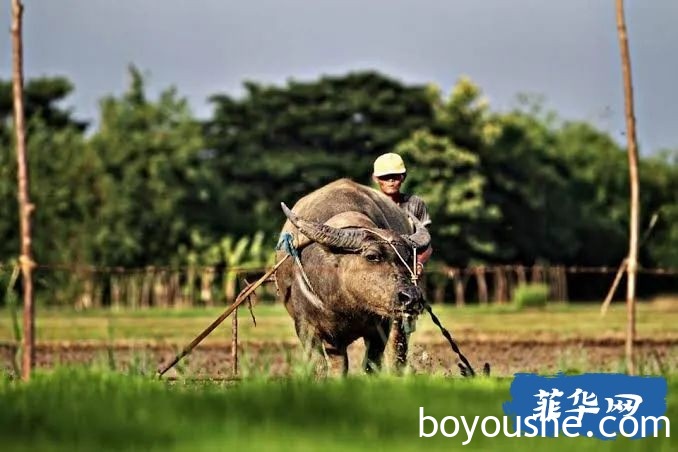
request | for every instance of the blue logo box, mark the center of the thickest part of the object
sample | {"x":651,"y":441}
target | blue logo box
{"x":592,"y":405}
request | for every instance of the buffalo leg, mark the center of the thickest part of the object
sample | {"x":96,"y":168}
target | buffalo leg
{"x":374,"y":348}
{"x":397,"y":347}
{"x":314,"y":354}
{"x":337,"y":360}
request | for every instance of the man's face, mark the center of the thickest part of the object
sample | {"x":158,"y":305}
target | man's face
{"x":390,"y":184}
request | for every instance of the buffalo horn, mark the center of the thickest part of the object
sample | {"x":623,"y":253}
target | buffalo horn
{"x":324,"y":234}
{"x":421,"y":237}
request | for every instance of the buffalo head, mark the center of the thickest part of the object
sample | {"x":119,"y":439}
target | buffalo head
{"x":374,"y":266}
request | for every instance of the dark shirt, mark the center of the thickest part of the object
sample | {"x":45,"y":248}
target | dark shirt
{"x":416,"y":206}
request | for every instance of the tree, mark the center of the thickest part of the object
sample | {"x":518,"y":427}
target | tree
{"x":64,"y":172}
{"x":42,"y":97}
{"x":449,"y":181}
{"x":279,"y":143}
{"x":529,"y":180}
{"x":47,"y":119}
{"x":659,"y":177}
{"x":153,"y":189}
{"x":597,"y":181}
{"x":510,"y":179}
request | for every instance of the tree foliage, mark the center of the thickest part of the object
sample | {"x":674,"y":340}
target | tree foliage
{"x":453,"y":189}
{"x":60,"y":171}
{"x":152,"y":185}
{"x":508,"y":177}
{"x":278,"y":143}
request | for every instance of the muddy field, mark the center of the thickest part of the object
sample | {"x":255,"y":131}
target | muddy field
{"x":214,"y":359}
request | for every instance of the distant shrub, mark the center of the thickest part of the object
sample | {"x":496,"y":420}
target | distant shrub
{"x":531,"y":295}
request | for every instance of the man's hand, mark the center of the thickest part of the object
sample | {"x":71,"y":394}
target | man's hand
{"x":422,"y":259}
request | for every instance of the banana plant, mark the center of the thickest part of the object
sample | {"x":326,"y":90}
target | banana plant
{"x":234,"y":255}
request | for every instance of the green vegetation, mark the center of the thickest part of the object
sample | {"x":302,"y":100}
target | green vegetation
{"x":659,"y":321}
{"x":531,"y":295}
{"x":78,"y":410}
{"x":151,"y":185}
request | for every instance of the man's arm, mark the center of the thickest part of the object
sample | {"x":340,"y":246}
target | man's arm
{"x":425,"y":255}
{"x":423,"y":258}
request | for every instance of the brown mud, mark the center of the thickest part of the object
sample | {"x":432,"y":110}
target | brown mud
{"x":214,"y":359}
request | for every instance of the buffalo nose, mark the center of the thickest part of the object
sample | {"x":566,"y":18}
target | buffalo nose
{"x":408,"y":297}
{"x":404,"y":298}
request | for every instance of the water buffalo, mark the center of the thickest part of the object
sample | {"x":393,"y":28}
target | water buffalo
{"x":356,"y":249}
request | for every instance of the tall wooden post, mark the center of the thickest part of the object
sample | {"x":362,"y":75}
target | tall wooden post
{"x":234,"y":342}
{"x":632,"y":260}
{"x":25,"y":206}
{"x":482,"y":285}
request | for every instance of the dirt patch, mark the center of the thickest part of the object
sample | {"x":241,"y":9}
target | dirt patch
{"x":214,"y":359}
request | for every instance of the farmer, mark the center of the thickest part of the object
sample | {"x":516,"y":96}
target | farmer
{"x":389,"y":174}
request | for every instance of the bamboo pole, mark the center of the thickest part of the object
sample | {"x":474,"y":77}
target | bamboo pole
{"x":615,"y":283}
{"x":25,"y":206}
{"x":234,"y":342}
{"x":632,"y":260}
{"x":243,"y":296}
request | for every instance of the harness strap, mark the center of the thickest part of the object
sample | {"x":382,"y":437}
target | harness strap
{"x":286,"y":243}
{"x":413,"y":274}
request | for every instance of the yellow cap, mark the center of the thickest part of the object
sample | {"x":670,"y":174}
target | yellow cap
{"x":389,"y":164}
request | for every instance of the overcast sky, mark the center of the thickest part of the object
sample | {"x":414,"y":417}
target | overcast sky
{"x":565,"y":50}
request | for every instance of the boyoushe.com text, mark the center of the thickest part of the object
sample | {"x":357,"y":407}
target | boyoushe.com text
{"x":532,"y":426}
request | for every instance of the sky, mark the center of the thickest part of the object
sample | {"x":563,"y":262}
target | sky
{"x":566,"y":51}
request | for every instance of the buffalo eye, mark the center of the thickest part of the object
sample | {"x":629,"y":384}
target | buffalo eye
{"x":372,"y":257}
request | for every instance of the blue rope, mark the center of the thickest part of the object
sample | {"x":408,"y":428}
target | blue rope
{"x":286,"y":244}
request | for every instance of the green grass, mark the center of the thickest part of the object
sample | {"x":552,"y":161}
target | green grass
{"x":79,"y":410}
{"x":560,"y":320}
{"x":557,"y":320}
{"x":531,"y":295}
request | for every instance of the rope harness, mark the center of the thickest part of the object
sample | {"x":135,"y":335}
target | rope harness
{"x":409,"y":321}
{"x":414,"y":277}
{"x":465,"y":368}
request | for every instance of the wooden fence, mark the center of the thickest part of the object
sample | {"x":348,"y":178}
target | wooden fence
{"x":165,"y":287}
